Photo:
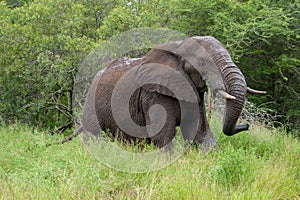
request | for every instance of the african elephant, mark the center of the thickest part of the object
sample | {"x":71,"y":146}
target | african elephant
{"x":197,"y":60}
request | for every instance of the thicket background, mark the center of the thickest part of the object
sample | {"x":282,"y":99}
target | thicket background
{"x":43,"y":43}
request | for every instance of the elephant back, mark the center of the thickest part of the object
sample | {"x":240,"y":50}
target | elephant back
{"x":97,"y":108}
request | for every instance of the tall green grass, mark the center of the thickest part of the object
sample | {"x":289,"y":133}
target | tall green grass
{"x":259,"y":164}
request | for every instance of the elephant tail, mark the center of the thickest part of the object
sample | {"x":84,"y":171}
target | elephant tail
{"x":69,"y":138}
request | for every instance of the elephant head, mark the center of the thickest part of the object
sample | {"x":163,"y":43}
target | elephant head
{"x":209,"y":59}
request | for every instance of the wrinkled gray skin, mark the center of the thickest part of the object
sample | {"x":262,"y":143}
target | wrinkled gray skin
{"x":197,"y":58}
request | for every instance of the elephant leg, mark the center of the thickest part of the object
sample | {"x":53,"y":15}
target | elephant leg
{"x":195,"y":127}
{"x":204,"y":135}
{"x":189,"y":121}
{"x":161,"y":118}
{"x":163,"y":139}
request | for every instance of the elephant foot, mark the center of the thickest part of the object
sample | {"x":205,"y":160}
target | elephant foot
{"x":205,"y":142}
{"x":208,"y":143}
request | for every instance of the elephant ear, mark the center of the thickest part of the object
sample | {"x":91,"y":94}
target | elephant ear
{"x":189,"y":49}
{"x":166,"y":80}
{"x":166,"y":77}
{"x":194,"y":52}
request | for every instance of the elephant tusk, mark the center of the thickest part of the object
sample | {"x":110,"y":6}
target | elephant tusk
{"x":226,"y":95}
{"x":252,"y":91}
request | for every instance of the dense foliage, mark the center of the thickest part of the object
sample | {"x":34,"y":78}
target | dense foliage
{"x":44,"y":42}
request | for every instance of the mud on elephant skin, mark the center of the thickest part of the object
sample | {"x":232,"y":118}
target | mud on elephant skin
{"x":165,"y":89}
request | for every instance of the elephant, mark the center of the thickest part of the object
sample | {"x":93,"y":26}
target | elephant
{"x":197,"y":60}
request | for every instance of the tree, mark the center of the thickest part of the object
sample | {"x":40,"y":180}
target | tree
{"x":42,"y":45}
{"x":44,"y":42}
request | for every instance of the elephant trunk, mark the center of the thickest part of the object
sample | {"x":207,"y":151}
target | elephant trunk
{"x":235,"y":85}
